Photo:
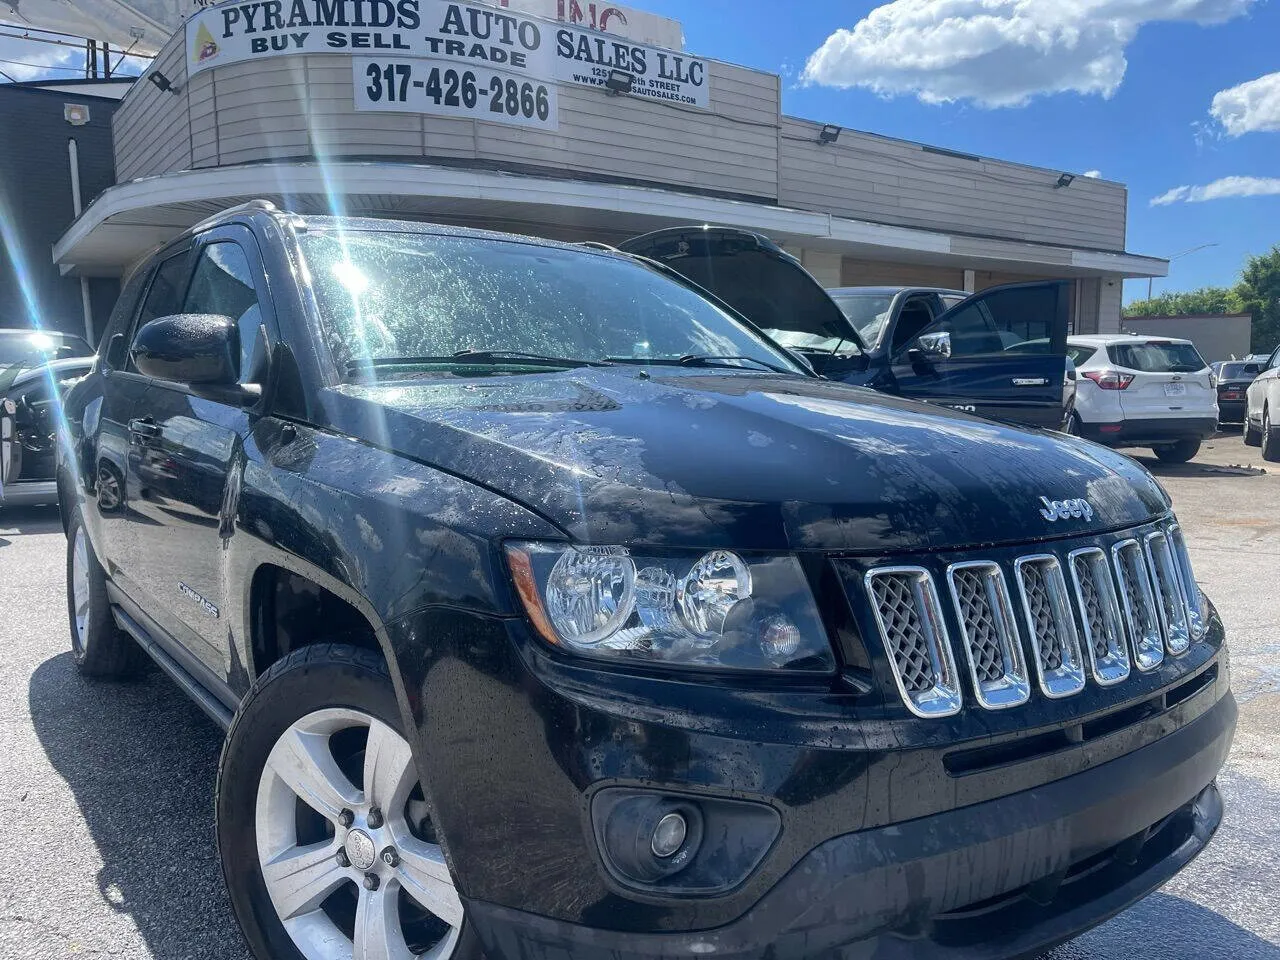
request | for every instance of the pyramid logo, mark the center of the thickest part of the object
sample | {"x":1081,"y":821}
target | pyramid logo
{"x":206,"y":48}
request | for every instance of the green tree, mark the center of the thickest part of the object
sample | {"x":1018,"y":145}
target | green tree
{"x":1259,"y":293}
{"x":1204,"y":300}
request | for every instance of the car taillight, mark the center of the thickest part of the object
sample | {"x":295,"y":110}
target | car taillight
{"x":1109,"y":379}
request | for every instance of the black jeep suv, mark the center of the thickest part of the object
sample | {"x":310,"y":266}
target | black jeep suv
{"x":554,"y":611}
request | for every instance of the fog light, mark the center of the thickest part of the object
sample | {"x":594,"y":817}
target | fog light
{"x":669,"y":836}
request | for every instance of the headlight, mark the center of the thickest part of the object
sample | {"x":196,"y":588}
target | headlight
{"x":717,"y":611}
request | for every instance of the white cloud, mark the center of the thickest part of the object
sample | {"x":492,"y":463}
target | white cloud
{"x":1250,"y":107}
{"x":1093,"y":174}
{"x":32,"y":61}
{"x":1226,"y":188}
{"x":997,"y":53}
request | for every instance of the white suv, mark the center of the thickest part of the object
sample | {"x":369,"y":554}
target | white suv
{"x":1262,"y":409}
{"x":1144,"y":392}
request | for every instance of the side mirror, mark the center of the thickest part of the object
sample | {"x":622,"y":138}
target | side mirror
{"x":199,"y":350}
{"x":190,"y":348}
{"x":934,"y":346}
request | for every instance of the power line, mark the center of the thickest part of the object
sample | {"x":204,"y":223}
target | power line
{"x":41,"y":66}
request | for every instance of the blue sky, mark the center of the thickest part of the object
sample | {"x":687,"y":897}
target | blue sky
{"x":1123,"y":87}
{"x":1154,"y":133}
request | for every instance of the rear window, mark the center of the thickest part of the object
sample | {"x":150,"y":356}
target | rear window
{"x":1080,"y":355}
{"x":1238,"y":371}
{"x":1158,"y":357}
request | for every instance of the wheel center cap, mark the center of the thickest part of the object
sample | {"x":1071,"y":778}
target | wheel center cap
{"x":360,"y":850}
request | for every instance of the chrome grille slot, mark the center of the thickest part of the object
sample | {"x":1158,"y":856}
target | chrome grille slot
{"x":990,"y":634}
{"x":1140,"y":614}
{"x":1197,"y":614}
{"x":1166,"y":583}
{"x":907,"y":611}
{"x":1100,"y":615}
{"x":1051,"y":625}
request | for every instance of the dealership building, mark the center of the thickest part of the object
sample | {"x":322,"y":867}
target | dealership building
{"x":452,"y":113}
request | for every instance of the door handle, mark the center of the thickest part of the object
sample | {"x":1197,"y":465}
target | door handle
{"x":144,"y":428}
{"x":1030,"y":381}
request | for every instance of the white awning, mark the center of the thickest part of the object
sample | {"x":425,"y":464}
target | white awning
{"x":130,"y":219}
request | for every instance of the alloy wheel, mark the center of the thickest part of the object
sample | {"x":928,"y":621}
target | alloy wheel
{"x":346,"y":847}
{"x":80,"y":586}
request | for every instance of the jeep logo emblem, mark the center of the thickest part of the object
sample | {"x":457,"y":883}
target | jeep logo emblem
{"x":1055,"y":510}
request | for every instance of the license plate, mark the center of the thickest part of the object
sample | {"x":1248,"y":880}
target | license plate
{"x":1233,"y":396}
{"x":1175,"y":389}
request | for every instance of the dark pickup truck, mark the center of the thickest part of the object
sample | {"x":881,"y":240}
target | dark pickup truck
{"x":552,"y":610}
{"x":1000,"y":353}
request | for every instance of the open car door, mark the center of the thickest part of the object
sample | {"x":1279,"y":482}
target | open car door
{"x":759,"y":280}
{"x":1001,"y":353}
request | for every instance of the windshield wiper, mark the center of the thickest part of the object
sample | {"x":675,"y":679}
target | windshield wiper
{"x":716,"y":360}
{"x":473,"y":356}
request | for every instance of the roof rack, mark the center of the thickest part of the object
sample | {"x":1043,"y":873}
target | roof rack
{"x":249,"y":206}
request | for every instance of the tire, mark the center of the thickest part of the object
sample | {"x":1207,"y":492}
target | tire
{"x":100,"y":648}
{"x":1252,"y":435}
{"x":1179,"y":452}
{"x":338,"y":697}
{"x":1270,"y":437}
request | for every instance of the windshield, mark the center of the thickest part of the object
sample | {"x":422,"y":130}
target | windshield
{"x":389,"y":295}
{"x":867,"y":312}
{"x":1157,"y":357}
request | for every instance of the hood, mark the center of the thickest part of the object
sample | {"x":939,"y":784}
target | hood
{"x":703,"y":459}
{"x":750,"y":273}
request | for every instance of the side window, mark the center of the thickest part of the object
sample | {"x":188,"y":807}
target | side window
{"x":1017,"y":320}
{"x":223,"y":284}
{"x":1275,"y":360}
{"x":913,"y":318}
{"x":165,"y":296}
{"x":163,"y":299}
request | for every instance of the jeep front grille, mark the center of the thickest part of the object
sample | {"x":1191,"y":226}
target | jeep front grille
{"x":1197,"y":614}
{"x":1141,"y":615}
{"x":989,"y":633}
{"x":1051,"y":625}
{"x":1167,"y":587}
{"x":911,"y":624}
{"x":1100,"y":615}
{"x":1095,"y":611}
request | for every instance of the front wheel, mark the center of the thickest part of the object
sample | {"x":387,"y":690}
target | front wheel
{"x":1270,"y":438}
{"x":326,"y":840}
{"x":100,"y":648}
{"x":1179,"y":452}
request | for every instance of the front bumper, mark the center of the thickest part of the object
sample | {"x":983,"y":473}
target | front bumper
{"x":1002,"y":879}
{"x":1142,"y":433}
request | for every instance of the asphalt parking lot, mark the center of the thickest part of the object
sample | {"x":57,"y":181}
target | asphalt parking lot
{"x":106,"y":789}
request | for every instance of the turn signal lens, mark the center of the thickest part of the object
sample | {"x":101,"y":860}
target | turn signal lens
{"x":1109,"y":379}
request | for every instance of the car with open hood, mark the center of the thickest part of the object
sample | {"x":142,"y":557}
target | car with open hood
{"x":1000,"y":353}
{"x":552,"y":609}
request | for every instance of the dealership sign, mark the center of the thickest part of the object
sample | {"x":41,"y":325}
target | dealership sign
{"x":606,"y":17}
{"x":448,"y":59}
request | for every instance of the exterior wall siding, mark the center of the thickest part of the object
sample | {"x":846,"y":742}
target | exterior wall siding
{"x":35,"y":195}
{"x":302,"y":107}
{"x":872,"y":178}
